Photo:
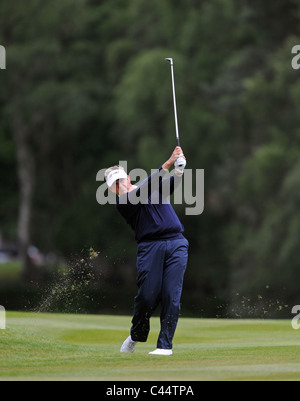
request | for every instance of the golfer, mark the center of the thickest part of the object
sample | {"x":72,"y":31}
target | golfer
{"x":162,"y":249}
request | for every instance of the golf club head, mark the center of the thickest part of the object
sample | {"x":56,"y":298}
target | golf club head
{"x":170,"y":60}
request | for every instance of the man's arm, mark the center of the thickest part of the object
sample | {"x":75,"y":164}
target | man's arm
{"x":176,"y":154}
{"x":156,"y":182}
{"x":172,"y":183}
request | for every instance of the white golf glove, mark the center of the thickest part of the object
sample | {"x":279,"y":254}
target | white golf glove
{"x":180,"y":164}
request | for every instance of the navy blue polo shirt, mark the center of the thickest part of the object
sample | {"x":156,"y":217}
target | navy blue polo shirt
{"x":148,"y":211}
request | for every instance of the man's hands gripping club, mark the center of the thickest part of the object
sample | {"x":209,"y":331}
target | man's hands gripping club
{"x":178,"y":160}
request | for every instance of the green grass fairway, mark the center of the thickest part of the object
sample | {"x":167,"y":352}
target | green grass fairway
{"x":79,"y":347}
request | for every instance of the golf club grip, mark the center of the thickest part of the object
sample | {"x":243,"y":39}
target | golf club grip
{"x":178,"y":142}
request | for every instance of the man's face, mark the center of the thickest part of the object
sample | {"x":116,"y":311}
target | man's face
{"x":121,"y":187}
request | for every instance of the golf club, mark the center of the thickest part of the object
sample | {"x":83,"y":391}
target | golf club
{"x":174,"y":99}
{"x":175,"y":108}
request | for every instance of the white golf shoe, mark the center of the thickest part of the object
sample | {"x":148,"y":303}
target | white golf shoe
{"x":162,"y":352}
{"x":128,"y":346}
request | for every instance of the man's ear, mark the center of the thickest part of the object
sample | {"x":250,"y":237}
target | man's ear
{"x":113,"y":188}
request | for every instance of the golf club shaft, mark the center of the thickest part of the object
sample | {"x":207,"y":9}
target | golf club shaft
{"x":174,"y":98}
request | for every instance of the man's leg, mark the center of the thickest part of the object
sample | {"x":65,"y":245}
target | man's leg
{"x":175,"y":267}
{"x":150,"y":266}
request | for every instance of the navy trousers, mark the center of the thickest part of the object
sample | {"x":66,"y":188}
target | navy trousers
{"x":160,"y":266}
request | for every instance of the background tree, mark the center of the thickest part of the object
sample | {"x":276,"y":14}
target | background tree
{"x":86,"y":86}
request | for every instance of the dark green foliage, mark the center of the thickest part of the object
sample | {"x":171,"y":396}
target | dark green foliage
{"x":88,"y":83}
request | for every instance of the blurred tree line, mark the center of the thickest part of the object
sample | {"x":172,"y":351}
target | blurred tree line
{"x":86,"y":86}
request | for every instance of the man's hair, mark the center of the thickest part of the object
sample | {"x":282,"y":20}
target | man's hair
{"x":111,"y":169}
